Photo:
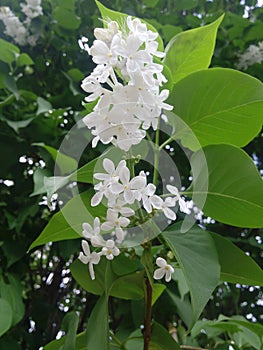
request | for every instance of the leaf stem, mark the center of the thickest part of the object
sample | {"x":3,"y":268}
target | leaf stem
{"x":156,"y":156}
{"x":148,"y":315}
{"x":171,"y":139}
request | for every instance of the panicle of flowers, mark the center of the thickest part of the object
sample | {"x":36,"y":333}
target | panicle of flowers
{"x":18,"y":30}
{"x":253,"y":54}
{"x":121,"y":191}
{"x":126,"y":82}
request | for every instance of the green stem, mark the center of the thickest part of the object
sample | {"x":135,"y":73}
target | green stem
{"x":166,"y":143}
{"x":156,"y":156}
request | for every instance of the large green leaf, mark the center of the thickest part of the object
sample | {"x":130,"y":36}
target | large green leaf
{"x":234,"y":194}
{"x":120,"y":18}
{"x":197,"y":257}
{"x":128,"y":287}
{"x":98,"y":326}
{"x":218,"y":105}
{"x":191,"y":50}
{"x":236,"y":265}
{"x":67,"y":223}
{"x":5,"y":316}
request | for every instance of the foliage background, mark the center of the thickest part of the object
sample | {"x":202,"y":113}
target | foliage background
{"x":40,"y":100}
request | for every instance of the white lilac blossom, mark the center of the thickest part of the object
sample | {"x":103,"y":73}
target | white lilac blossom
{"x":89,"y":258}
{"x":121,"y":191}
{"x":110,"y":250}
{"x":124,"y":109}
{"x":18,"y":30}
{"x":13,"y":26}
{"x":252,"y":55}
{"x":32,"y":9}
{"x":164,"y":270}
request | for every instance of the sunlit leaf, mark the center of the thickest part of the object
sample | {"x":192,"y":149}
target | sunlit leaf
{"x":218,"y":105}
{"x":191,"y":50}
{"x":235,"y":188}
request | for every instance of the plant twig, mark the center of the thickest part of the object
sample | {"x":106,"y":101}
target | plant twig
{"x":148,"y":315}
{"x":191,"y":347}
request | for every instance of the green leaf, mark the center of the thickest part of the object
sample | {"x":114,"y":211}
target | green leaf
{"x":191,"y":50}
{"x":120,"y":18}
{"x":98,"y":326}
{"x":24,"y":60}
{"x":245,"y":333}
{"x":129,"y":287}
{"x":65,"y":15}
{"x":157,"y":291}
{"x":123,"y":265}
{"x":12,"y":293}
{"x":9,"y":100}
{"x":161,"y":339}
{"x":65,"y":163}
{"x":151,"y":3}
{"x":9,"y":52}
{"x":178,"y":276}
{"x":10,"y":83}
{"x":234,"y":194}
{"x":236,"y":265}
{"x":43,"y":106}
{"x":225,"y":106}
{"x":67,"y":223}
{"x":183,"y":307}
{"x":5,"y":316}
{"x":38,"y":179}
{"x":57,"y":344}
{"x":80,"y":273}
{"x":197,"y":257}
{"x":16,"y":125}
{"x":70,"y":325}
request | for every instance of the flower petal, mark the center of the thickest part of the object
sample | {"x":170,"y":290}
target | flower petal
{"x":85,"y":247}
{"x":91,"y":271}
{"x":96,"y":199}
{"x":158,"y":274}
{"x":108,"y":165}
{"x":169,"y":214}
{"x":156,"y":202}
{"x":83,"y":258}
{"x":161,"y":262}
{"x":124,"y":175}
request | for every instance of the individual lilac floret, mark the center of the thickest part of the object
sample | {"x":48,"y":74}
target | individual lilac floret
{"x":110,"y":250}
{"x":89,"y":258}
{"x":164,"y":270}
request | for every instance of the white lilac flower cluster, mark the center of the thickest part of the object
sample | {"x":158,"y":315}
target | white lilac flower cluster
{"x":20,"y":31}
{"x":253,"y":54}
{"x":121,"y":191}
{"x":126,"y":82}
{"x":127,"y":88}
